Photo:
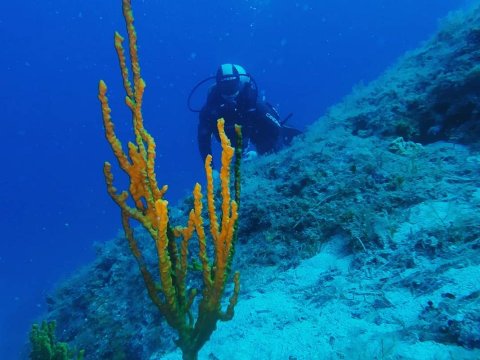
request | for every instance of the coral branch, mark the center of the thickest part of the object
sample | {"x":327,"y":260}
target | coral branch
{"x":150,"y":209}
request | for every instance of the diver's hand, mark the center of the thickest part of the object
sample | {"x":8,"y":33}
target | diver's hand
{"x":250,"y":155}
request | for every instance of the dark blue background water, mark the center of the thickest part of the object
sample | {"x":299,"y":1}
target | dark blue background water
{"x":305,"y":55}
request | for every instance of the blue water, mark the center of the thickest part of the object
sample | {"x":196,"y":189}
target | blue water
{"x":305,"y":55}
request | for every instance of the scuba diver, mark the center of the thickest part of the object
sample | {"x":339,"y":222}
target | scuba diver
{"x":234,"y":98}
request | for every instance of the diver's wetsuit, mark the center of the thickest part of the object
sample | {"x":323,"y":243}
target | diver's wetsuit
{"x":259,"y":120}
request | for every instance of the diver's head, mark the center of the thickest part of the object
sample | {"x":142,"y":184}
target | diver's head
{"x":230,"y":79}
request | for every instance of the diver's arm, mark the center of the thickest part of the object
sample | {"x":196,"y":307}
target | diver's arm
{"x":267,"y":134}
